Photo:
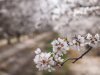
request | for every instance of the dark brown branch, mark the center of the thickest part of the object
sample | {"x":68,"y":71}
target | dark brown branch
{"x":67,"y":60}
{"x":75,"y":59}
{"x":82,"y":55}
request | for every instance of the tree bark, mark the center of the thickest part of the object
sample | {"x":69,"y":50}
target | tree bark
{"x":8,"y":41}
{"x":18,"y":37}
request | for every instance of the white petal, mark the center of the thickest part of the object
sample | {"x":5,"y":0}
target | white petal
{"x":78,"y":49}
{"x":49,"y":70}
{"x":67,"y":48}
{"x":82,"y":44}
{"x":79,"y":36}
{"x":82,"y":39}
{"x":48,"y":66}
{"x":92,"y":45}
{"x":97,"y":36}
{"x":37,"y":51}
{"x":70,"y":43}
{"x":52,"y":68}
{"x":74,"y":41}
{"x":89,"y":35}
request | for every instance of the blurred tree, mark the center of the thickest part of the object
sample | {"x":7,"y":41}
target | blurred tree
{"x":17,"y":17}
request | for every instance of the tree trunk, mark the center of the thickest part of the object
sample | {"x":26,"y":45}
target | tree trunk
{"x":8,"y":41}
{"x":18,"y":37}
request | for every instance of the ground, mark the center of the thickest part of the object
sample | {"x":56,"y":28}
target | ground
{"x":17,"y":59}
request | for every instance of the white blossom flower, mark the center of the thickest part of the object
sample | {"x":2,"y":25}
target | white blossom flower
{"x":38,"y":51}
{"x":44,"y":61}
{"x":70,"y":44}
{"x":75,"y":44}
{"x":89,"y":36}
{"x":97,"y":37}
{"x":80,"y":39}
{"x":93,"y":41}
{"x":50,"y":68}
{"x":60,"y":46}
{"x":58,"y":59}
{"x":36,"y":59}
{"x":55,"y":43}
{"x":78,"y":43}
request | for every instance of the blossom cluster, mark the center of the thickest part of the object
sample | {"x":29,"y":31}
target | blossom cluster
{"x":93,"y":40}
{"x":57,"y":10}
{"x":77,"y":43}
{"x":85,"y":11}
{"x":75,"y":8}
{"x":46,"y":61}
{"x":60,"y":46}
{"x":81,"y":2}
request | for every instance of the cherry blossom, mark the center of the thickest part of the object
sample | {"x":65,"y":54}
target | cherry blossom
{"x":94,"y":40}
{"x":89,"y":36}
{"x":77,"y":43}
{"x":44,"y":61}
{"x":97,"y":37}
{"x":38,"y":51}
{"x":59,"y":59}
{"x":60,"y":46}
{"x":80,"y":39}
{"x":85,"y":11}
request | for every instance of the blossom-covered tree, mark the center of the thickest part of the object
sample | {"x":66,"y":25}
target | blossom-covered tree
{"x":62,"y":12}
{"x":19,"y":17}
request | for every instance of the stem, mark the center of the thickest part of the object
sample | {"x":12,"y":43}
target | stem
{"x":75,"y":59}
{"x":82,"y":54}
{"x":67,"y":60}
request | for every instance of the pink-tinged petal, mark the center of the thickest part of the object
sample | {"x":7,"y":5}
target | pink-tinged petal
{"x":89,"y":36}
{"x":38,"y":51}
{"x":82,"y":44}
{"x":74,"y":41}
{"x":49,"y":70}
{"x":79,"y":36}
{"x":97,"y":37}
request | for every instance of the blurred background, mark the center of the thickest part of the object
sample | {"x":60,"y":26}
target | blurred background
{"x":26,"y":25}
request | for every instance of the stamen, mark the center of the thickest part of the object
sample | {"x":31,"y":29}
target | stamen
{"x":58,"y":48}
{"x":62,"y":45}
{"x":43,"y":61}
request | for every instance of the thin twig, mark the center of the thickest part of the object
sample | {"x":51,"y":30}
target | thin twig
{"x":54,"y":60}
{"x":67,"y":60}
{"x":82,"y":55}
{"x":75,"y":59}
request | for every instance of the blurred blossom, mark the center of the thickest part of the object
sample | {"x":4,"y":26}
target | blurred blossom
{"x":3,"y":10}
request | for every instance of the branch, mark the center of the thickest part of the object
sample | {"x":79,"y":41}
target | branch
{"x":82,"y":54}
{"x":75,"y":59}
{"x":67,"y":60}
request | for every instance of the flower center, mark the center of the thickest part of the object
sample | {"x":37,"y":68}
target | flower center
{"x":90,"y":37}
{"x":62,"y":45}
{"x":43,"y":61}
{"x":75,"y":43}
{"x":58,"y":48}
{"x":39,"y":53}
{"x":59,"y":43}
{"x":92,"y":41}
{"x":49,"y":60}
{"x":56,"y":44}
